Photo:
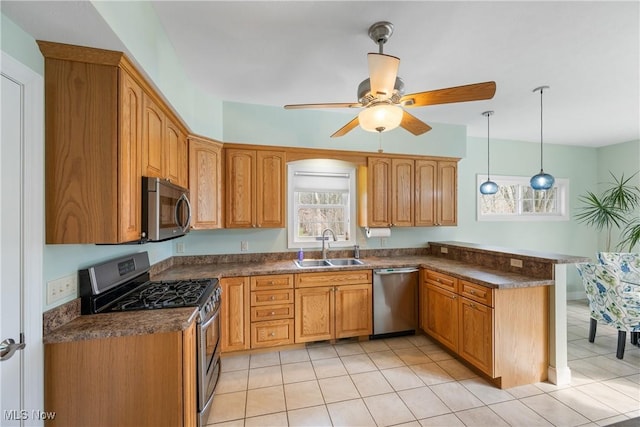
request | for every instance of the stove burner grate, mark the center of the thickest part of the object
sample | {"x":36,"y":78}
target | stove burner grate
{"x":169,"y":294}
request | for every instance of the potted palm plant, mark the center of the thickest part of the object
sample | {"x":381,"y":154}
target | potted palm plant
{"x":617,"y":206}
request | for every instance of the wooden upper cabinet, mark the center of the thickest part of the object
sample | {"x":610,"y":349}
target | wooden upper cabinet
{"x":175,"y":160}
{"x":205,"y":182}
{"x":153,"y":130}
{"x":390,"y":192}
{"x":255,"y":188}
{"x":436,"y":189}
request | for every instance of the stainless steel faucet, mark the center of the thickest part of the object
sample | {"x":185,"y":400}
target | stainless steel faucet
{"x":325,"y":249}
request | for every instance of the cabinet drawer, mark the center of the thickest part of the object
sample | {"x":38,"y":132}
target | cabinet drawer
{"x":275,"y":281}
{"x":271,"y":333}
{"x":441,"y":280}
{"x":271,"y":312}
{"x":332,"y":278}
{"x":476,"y":292}
{"x":283,"y":296}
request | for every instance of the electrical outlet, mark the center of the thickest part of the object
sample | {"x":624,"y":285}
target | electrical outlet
{"x":516,"y":263}
{"x":62,"y":288}
{"x":444,"y":250}
{"x":180,"y":247}
{"x":383,"y":242}
{"x":244,"y":246}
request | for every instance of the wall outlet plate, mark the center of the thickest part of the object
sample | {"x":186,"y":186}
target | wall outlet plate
{"x":244,"y":246}
{"x":444,"y":250}
{"x":516,"y":263}
{"x":180,"y":247}
{"x":62,"y":288}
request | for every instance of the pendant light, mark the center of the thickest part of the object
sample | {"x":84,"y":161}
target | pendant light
{"x":541,"y":181}
{"x":488,"y":187}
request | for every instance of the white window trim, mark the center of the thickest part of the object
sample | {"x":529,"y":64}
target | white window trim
{"x":562,"y":185}
{"x":320,"y":166}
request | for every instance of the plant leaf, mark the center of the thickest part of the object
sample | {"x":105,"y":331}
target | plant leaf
{"x":598,"y":213}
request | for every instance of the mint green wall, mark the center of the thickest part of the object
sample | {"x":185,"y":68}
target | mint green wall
{"x":20,"y":45}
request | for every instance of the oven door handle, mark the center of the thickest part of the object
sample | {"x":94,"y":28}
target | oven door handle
{"x":205,"y":325}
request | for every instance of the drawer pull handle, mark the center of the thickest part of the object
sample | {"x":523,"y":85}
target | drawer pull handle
{"x":273,"y":297}
{"x":472,"y":292}
{"x":272,"y":334}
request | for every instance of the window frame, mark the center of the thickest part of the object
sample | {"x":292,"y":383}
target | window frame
{"x":561,"y":184}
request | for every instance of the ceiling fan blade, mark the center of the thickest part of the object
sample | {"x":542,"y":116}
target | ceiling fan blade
{"x":414,"y":124}
{"x":346,"y":128}
{"x":383,"y":70}
{"x":472,"y":92}
{"x":329,"y":105}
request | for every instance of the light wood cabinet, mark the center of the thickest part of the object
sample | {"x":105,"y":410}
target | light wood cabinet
{"x":176,"y":158}
{"x":205,"y":182}
{"x":255,"y":188}
{"x":272,"y":310}
{"x":436,"y":193}
{"x":123,"y":381}
{"x":390,"y":192}
{"x":502,"y":332}
{"x":333,"y":305}
{"x":234,"y":314}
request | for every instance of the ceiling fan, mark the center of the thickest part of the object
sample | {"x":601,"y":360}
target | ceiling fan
{"x":382,"y":95}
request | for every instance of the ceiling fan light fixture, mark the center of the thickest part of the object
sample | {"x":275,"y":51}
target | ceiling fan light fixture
{"x":380,"y":117}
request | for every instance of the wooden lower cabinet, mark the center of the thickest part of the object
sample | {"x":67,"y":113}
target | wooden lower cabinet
{"x":123,"y":381}
{"x":272,"y":310}
{"x":234,"y":314}
{"x":333,"y":305}
{"x":502,"y":332}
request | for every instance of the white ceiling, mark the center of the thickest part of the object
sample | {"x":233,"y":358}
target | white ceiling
{"x":277,"y":53}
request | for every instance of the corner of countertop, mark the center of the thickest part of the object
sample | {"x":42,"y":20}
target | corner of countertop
{"x":60,"y":315}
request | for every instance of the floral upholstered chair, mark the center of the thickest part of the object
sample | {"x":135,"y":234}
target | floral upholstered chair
{"x":627,"y":263}
{"x":610,"y":304}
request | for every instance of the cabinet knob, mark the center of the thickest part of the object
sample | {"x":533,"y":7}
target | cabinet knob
{"x":472,"y":292}
{"x":271,"y":282}
{"x":273,"y":313}
{"x":272,"y":334}
{"x":273,"y":297}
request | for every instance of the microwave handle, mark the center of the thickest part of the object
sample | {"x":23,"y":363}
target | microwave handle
{"x":183,"y":199}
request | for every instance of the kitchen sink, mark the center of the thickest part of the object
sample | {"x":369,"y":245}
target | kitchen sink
{"x":336,"y":262}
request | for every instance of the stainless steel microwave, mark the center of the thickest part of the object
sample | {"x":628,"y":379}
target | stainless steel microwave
{"x":166,"y":211}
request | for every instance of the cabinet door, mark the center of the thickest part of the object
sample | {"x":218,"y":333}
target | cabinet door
{"x":379,"y":197}
{"x":234,"y":314}
{"x":402,"y":192}
{"x":240,"y":188}
{"x":175,"y":155}
{"x":153,"y":129}
{"x":205,"y":183}
{"x":476,"y":333}
{"x":271,"y":189}
{"x":426,"y":196}
{"x":448,"y":193}
{"x":353,"y":306}
{"x":424,"y":305}
{"x":442,"y":316}
{"x":314,"y":313}
{"x":129,"y":153}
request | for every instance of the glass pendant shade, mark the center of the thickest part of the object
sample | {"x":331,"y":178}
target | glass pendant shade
{"x":380,"y":117}
{"x":541,"y":181}
{"x":488,"y":187}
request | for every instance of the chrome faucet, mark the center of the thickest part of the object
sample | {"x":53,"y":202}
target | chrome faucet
{"x":324,"y":250}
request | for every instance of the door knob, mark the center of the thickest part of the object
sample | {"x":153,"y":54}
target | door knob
{"x":8,"y":347}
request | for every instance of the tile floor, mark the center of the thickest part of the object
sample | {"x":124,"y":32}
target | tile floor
{"x":411,"y":381}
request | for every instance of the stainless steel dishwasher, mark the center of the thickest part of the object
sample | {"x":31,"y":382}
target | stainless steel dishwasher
{"x":395,"y":301}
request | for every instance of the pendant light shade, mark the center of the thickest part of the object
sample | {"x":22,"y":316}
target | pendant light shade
{"x":541,"y":181}
{"x":488,"y":187}
{"x":381,"y":117}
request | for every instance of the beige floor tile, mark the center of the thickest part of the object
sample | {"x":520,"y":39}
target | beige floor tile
{"x":435,"y":353}
{"x":337,"y":389}
{"x":294,"y":356}
{"x":409,"y":424}
{"x":227,"y":407}
{"x":232,"y":381}
{"x":234,"y":363}
{"x":412,"y":356}
{"x":615,"y":366}
{"x":554,"y":411}
{"x":315,"y":416}
{"x":265,"y":377}
{"x":322,"y":352}
{"x":625,"y":385}
{"x":267,"y":400}
{"x":420,"y":339}
{"x":609,"y":396}
{"x":326,"y":368}
{"x":349,"y":349}
{"x":590,"y":368}
{"x":358,"y":363}
{"x":386,"y":359}
{"x":517,"y":413}
{"x":586,"y":405}
{"x":456,"y":369}
{"x":388,"y":409}
{"x":350,"y":413}
{"x":398,"y":343}
{"x":296,"y":372}
{"x":485,"y":391}
{"x":271,"y":420}
{"x":524,"y":391}
{"x":371,"y":383}
{"x":612,"y":420}
{"x":431,"y":373}
{"x":423,"y":403}
{"x":482,"y":416}
{"x":455,"y":396}
{"x":234,"y":423}
{"x":303,"y":395}
{"x":448,"y":420}
{"x":374,"y":345}
{"x":402,"y":378}
{"x":264,"y":359}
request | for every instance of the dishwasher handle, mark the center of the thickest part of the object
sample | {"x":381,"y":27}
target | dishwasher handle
{"x":387,"y":271}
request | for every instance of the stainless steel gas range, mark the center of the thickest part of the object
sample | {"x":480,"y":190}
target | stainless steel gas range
{"x":123,"y":284}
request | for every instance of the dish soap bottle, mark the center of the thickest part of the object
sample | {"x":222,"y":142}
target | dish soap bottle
{"x":300,"y":255}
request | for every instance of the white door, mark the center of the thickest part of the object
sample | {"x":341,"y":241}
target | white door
{"x":21,"y":245}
